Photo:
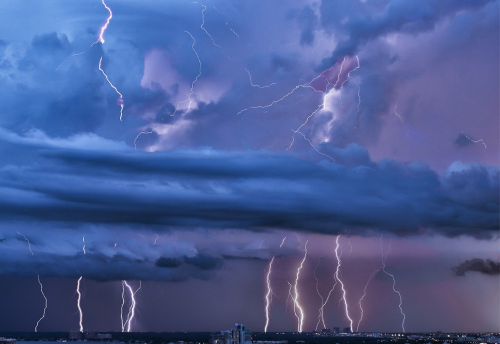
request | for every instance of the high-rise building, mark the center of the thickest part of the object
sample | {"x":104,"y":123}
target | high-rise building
{"x":336,"y":330}
{"x":347,"y":330}
{"x":238,"y":335}
{"x":90,"y":335}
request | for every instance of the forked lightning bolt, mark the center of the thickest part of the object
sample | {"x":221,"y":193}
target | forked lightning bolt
{"x":296,"y":291}
{"x":393,"y":285}
{"x":120,"y":99}
{"x":188,"y":99}
{"x":43,"y":315}
{"x":131,"y":310}
{"x":337,"y":276}
{"x":78,"y":303}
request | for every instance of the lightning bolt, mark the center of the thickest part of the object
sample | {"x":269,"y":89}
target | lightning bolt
{"x":475,"y":141}
{"x":362,"y":297}
{"x":296,"y":298}
{"x":269,"y":289}
{"x":254,"y":85}
{"x":320,"y":316}
{"x":131,"y":310}
{"x":29,"y":244}
{"x":269,"y":293}
{"x":43,"y":315}
{"x":123,"y":304}
{"x":194,"y":81}
{"x":105,"y":26}
{"x":156,"y":239}
{"x":312,"y":145}
{"x":393,"y":285}
{"x":78,"y":303}
{"x":203,"y":23}
{"x":397,"y":114}
{"x":143,"y":133}
{"x":337,"y":276}
{"x":120,"y":99}
{"x":83,"y":248}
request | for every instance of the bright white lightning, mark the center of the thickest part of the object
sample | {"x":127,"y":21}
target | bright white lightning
{"x":131,"y":310}
{"x":78,"y":303}
{"x":296,"y":298}
{"x":105,"y":26}
{"x":29,"y":244}
{"x":269,"y":293}
{"x":254,"y":85}
{"x":123,"y":304}
{"x":43,"y":315}
{"x":337,"y":276}
{"x":194,"y":81}
{"x":393,"y":286}
{"x":323,"y":105}
{"x":156,"y":239}
{"x":269,"y":289}
{"x":113,"y":86}
{"x":203,"y":23}
{"x":83,"y":248}
{"x":362,"y":297}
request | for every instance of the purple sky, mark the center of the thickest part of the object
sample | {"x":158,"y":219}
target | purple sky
{"x":245,"y":123}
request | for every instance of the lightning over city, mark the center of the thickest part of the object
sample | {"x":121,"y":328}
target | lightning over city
{"x":301,"y":171}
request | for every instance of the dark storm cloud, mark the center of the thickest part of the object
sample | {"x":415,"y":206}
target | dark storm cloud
{"x":204,"y":262}
{"x":163,"y":262}
{"x":396,"y":16}
{"x":487,"y":267}
{"x":253,"y":191}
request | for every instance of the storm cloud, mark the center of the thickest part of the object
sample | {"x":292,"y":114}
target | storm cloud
{"x":484,"y":266}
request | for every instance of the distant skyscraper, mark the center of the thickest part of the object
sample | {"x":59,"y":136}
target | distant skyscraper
{"x":238,"y":335}
{"x":347,"y":330}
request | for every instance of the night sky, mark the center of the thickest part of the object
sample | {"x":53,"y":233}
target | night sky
{"x":365,"y":131}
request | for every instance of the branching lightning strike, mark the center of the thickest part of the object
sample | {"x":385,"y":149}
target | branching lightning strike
{"x":131,"y":310}
{"x":269,"y":289}
{"x":337,"y":276}
{"x":203,"y":23}
{"x":296,"y":297}
{"x":194,"y":81}
{"x":269,"y":293}
{"x":120,"y":99}
{"x":362,"y":297}
{"x":393,"y":286}
{"x":43,"y":315}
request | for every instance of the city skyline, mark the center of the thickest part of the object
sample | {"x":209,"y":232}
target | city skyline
{"x":179,"y":165}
